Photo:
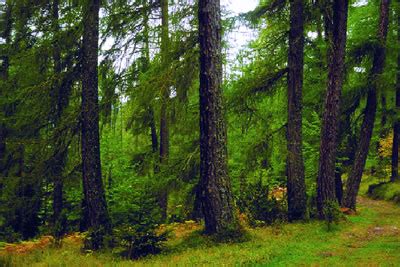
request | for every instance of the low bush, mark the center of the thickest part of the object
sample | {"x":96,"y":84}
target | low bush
{"x":135,"y":241}
{"x":136,"y":219}
{"x":260,"y":206}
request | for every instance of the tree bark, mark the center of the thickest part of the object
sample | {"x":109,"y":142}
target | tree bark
{"x":6,"y":35}
{"x":336,"y":28}
{"x":99,"y":221}
{"x":354,"y":180}
{"x":60,"y":156}
{"x":396,"y":127}
{"x":217,"y":198}
{"x":297,"y":204}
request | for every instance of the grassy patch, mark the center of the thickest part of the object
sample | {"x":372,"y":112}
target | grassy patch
{"x":371,"y":237}
{"x":386,"y":191}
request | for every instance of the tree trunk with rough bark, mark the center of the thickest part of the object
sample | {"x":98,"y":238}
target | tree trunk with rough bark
{"x":99,"y":221}
{"x":6,"y":35}
{"x":297,"y":203}
{"x":336,"y":28}
{"x":354,"y":180}
{"x":217,"y":200}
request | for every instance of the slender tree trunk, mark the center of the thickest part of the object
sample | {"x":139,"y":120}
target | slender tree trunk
{"x":217,"y":198}
{"x":336,"y":27}
{"x":6,"y":35}
{"x":297,"y":204}
{"x":60,"y":157}
{"x":146,"y":55}
{"x":153,"y":132}
{"x":164,"y":125}
{"x":354,"y":180}
{"x":164,"y":122}
{"x":99,"y":221}
{"x":396,"y":127}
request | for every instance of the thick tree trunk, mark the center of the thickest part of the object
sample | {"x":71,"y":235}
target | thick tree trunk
{"x":99,"y":221}
{"x":354,"y":180}
{"x":217,"y":198}
{"x":336,"y":27}
{"x":297,"y":203}
{"x":396,"y":127}
{"x":164,"y":122}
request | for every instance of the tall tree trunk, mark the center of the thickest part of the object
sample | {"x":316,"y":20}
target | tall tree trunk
{"x":336,"y":27}
{"x":164,"y":122}
{"x":146,"y":55}
{"x":217,"y":198}
{"x":354,"y":180}
{"x":59,"y":156}
{"x":396,"y":128}
{"x":6,"y":35}
{"x":99,"y":220}
{"x":297,"y":204}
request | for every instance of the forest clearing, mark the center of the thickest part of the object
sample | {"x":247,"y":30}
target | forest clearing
{"x":199,"y":132}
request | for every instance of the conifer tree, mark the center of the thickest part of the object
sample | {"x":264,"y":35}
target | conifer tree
{"x":99,"y":221}
{"x":217,"y":200}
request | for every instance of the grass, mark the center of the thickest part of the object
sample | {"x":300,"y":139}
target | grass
{"x":386,"y":191}
{"x":369,"y":238}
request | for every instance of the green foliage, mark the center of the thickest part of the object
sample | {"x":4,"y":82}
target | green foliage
{"x":131,"y":78}
{"x":332,"y":214}
{"x":139,"y":240}
{"x":255,"y":200}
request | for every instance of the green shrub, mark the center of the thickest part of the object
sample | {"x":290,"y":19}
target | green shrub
{"x":332,"y":214}
{"x":136,"y":219}
{"x":136,"y":241}
{"x":254,"y":200}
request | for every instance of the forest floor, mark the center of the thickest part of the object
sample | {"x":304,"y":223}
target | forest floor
{"x":369,"y":238}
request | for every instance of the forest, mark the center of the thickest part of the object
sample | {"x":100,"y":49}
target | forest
{"x":180,"y":132}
